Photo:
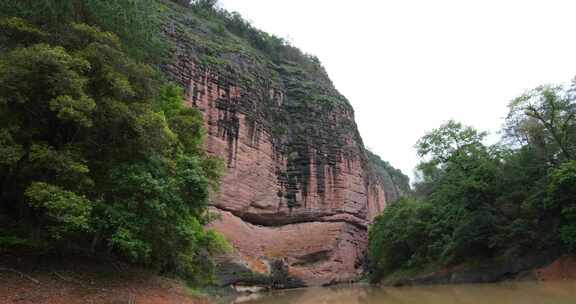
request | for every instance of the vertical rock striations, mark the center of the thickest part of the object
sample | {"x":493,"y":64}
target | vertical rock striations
{"x":299,"y":189}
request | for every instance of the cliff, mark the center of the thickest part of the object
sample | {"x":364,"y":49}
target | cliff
{"x":396,"y":183}
{"x":299,"y":190}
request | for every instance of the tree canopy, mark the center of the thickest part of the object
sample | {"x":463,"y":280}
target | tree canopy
{"x":97,"y":152}
{"x":476,"y":202}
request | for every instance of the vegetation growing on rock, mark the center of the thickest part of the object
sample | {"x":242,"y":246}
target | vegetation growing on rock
{"x":311,"y":124}
{"x":396,"y":182}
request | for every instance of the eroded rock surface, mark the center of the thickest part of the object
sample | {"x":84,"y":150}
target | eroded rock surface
{"x":299,"y":192}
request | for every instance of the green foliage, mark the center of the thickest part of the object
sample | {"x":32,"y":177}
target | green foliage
{"x":393,"y":178}
{"x":223,"y":21}
{"x":397,"y":235}
{"x":10,"y":150}
{"x":545,"y":118}
{"x":562,"y":184}
{"x":222,"y":36}
{"x":512,"y":199}
{"x":202,"y":4}
{"x":63,"y":211}
{"x":18,"y":31}
{"x":157,"y":204}
{"x":450,"y":142}
{"x":137,"y":23}
{"x":97,"y":152}
{"x":562,"y":195}
{"x":182,"y":121}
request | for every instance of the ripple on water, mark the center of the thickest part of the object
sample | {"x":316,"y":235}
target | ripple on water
{"x":501,"y":293}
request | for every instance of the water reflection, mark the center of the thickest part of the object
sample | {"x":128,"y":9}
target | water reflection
{"x":503,"y":293}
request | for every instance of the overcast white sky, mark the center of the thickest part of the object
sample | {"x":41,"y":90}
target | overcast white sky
{"x":406,"y":66}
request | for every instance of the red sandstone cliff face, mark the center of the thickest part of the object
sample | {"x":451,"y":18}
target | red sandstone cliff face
{"x":323,"y":239}
{"x":298,"y":194}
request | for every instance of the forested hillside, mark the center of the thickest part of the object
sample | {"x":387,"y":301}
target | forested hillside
{"x":478,"y":203}
{"x":98,"y":155}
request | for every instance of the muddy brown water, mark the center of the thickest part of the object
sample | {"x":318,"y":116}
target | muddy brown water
{"x":501,"y":293}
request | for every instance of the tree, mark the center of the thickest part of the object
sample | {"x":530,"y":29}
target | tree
{"x":562,"y":197}
{"x":454,"y":219}
{"x":98,"y":154}
{"x":205,"y":4}
{"x":399,"y":238}
{"x":512,"y":199}
{"x":450,"y":142}
{"x":137,"y":23}
{"x":545,"y":118}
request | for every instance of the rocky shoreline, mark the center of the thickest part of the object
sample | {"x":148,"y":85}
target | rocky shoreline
{"x":547,"y":267}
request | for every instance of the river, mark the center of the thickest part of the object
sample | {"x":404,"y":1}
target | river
{"x":501,"y":293}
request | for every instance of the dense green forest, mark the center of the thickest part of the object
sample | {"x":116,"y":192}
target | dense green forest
{"x":98,"y":155}
{"x":476,"y":202}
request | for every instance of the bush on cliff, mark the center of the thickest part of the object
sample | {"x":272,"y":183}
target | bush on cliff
{"x":98,"y":154}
